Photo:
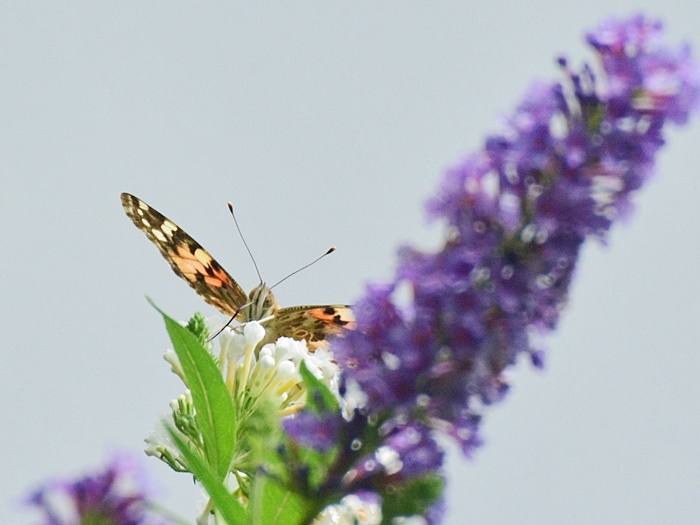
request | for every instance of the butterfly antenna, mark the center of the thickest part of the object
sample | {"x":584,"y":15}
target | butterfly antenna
{"x":230,"y":208}
{"x":330,"y":250}
{"x":213,"y":336}
{"x":235,"y":314}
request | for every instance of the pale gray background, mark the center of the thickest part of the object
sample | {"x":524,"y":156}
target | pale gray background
{"x":326,"y":123}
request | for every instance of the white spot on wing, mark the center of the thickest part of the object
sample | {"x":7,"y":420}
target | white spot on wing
{"x":168,"y":228}
{"x":158,"y":235}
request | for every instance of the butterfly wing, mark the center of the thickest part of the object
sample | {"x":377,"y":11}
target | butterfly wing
{"x":186,"y":257}
{"x":312,"y":323}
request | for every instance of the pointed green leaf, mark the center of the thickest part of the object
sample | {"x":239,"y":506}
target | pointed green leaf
{"x":224,"y":502}
{"x":212,"y":401}
{"x":272,"y":504}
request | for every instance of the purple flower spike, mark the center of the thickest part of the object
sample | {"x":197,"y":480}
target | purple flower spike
{"x":517,"y":213}
{"x":114,"y":496}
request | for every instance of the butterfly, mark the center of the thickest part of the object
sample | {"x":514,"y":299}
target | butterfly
{"x":206,"y":276}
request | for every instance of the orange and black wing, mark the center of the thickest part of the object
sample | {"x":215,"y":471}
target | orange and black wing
{"x":186,"y":257}
{"x":313,"y":323}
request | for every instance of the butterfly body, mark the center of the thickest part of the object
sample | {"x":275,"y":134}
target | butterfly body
{"x":191,"y":262}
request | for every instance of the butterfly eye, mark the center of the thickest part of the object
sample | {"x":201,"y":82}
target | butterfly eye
{"x":270,"y":303}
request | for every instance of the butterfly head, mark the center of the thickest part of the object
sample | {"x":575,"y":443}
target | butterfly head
{"x":262,"y":303}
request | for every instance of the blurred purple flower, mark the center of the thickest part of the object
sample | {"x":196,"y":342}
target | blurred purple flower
{"x":406,"y":452}
{"x":517,"y":213}
{"x":394,"y":453}
{"x":436,"y":513}
{"x":114,"y":496}
{"x":417,"y":451}
{"x":316,"y":431}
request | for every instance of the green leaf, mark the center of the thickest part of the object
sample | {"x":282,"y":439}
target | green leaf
{"x":212,"y":401}
{"x":319,"y":399}
{"x":413,"y":497}
{"x":272,"y":504}
{"x":224,"y":502}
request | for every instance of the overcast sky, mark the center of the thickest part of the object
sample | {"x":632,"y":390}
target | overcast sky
{"x":326,"y":123}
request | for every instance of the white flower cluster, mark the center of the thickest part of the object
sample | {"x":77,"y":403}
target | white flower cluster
{"x":274,"y":369}
{"x":352,"y":510}
{"x":250,"y":374}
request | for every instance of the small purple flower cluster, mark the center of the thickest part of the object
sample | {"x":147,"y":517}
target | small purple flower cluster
{"x":319,"y":432}
{"x":418,"y":452}
{"x":114,"y":496}
{"x":517,"y":213}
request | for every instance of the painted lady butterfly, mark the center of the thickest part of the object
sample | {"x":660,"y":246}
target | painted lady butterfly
{"x":200,"y":270}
